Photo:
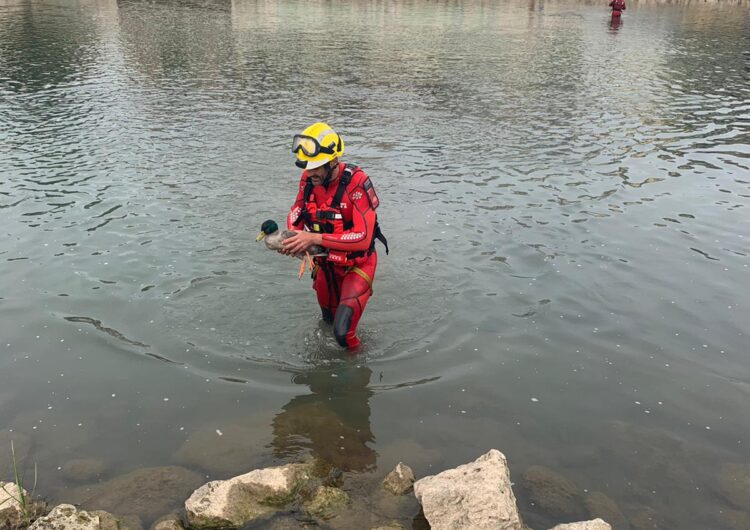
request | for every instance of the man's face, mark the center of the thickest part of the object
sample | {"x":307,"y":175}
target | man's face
{"x":318,"y":174}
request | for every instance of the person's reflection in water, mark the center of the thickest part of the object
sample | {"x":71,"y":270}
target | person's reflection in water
{"x":333,"y":422}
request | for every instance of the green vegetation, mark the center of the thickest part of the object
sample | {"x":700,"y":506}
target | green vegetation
{"x":30,"y":510}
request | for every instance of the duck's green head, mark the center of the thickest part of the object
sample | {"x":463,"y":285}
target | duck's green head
{"x":267,"y":228}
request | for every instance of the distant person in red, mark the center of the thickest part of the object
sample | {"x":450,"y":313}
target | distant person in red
{"x":618,"y":6}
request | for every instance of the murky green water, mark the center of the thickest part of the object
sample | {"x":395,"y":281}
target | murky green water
{"x":567,"y":205}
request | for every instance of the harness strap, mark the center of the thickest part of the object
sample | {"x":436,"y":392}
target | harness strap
{"x":304,"y":216}
{"x":329,"y":215}
{"x":346,"y":177}
{"x":308,"y":189}
{"x":362,"y":274}
{"x":344,"y":181}
{"x":333,"y":290}
{"x":380,"y":237}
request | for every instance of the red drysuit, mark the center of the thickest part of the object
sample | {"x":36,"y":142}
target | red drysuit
{"x":618,"y":6}
{"x":344,"y":212}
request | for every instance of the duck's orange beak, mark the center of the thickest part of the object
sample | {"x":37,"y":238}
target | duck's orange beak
{"x":260,"y":236}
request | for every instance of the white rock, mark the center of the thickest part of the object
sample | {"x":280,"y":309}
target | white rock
{"x":68,"y":517}
{"x":476,"y":496}
{"x":596,"y":524}
{"x":238,"y":500}
{"x":10,"y":508}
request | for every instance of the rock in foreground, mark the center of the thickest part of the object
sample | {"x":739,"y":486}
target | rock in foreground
{"x":327,"y":502}
{"x":10,"y":508}
{"x":476,"y":495}
{"x":68,"y":517}
{"x":235,"y":502}
{"x":12,"y":513}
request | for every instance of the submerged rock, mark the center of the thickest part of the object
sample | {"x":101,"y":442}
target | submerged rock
{"x":236,"y":450}
{"x":596,"y":524}
{"x":83,"y":469}
{"x":327,"y":502}
{"x":235,"y":502}
{"x":400,"y":480}
{"x":600,"y":506}
{"x":647,"y":518}
{"x":148,"y":492}
{"x":735,"y":519}
{"x":734,"y":483}
{"x":651,"y":456}
{"x":552,"y":493}
{"x":477,"y":495}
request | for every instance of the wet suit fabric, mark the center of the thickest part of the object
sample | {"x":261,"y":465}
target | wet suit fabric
{"x":342,"y":293}
{"x":342,"y":296}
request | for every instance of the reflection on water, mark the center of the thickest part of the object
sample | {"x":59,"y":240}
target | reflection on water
{"x":332,"y":422}
{"x":566,"y":202}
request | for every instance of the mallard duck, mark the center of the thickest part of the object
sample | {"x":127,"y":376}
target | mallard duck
{"x":274,"y":240}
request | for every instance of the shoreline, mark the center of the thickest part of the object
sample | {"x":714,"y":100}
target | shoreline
{"x":477,"y":495}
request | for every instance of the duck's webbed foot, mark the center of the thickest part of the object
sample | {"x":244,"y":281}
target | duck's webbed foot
{"x":309,"y":261}
{"x":306,"y":261}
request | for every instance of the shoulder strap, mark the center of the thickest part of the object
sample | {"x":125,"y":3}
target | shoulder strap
{"x":346,"y":178}
{"x":308,"y":189}
{"x":304,"y":216}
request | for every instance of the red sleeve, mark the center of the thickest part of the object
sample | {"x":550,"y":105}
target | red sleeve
{"x":299,"y":204}
{"x":363,"y":222}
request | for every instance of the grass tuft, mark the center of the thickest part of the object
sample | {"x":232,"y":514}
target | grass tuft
{"x":30,"y":510}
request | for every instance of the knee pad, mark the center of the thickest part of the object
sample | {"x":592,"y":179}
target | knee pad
{"x":341,"y":324}
{"x":327,"y":315}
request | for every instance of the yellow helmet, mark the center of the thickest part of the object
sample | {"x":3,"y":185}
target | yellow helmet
{"x":317,"y":145}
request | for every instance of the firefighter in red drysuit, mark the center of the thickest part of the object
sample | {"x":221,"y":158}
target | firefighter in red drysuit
{"x":335,"y":208}
{"x":618,"y":6}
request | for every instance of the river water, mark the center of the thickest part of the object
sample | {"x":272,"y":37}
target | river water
{"x":566,"y":203}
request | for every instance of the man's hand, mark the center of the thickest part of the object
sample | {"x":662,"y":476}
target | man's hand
{"x":300,"y":242}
